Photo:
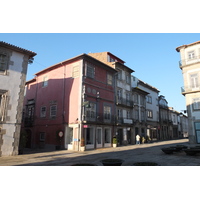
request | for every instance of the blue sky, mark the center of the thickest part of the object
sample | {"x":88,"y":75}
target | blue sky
{"x":151,"y":55}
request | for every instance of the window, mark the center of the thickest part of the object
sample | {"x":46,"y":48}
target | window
{"x":89,"y":136}
{"x":197,"y":129}
{"x":142,"y":115}
{"x":109,"y":79}
{"x":149,"y":113}
{"x":135,"y":98}
{"x":53,"y":111}
{"x":107,"y":135}
{"x":196,"y":103}
{"x":45,"y":81}
{"x":3,"y":102}
{"x":119,"y":74}
{"x":191,"y":55}
{"x":3,"y":62}
{"x":149,"y":99}
{"x":142,"y":100}
{"x":110,"y":59}
{"x":194,"y":80}
{"x":42,"y":136}
{"x":119,"y":95}
{"x":107,"y":112}
{"x":127,"y":78}
{"x":90,"y":71}
{"x":43,"y":111}
{"x":91,"y":112}
{"x":136,"y":114}
{"x":75,"y":72}
{"x":119,"y":113}
{"x":128,"y":114}
{"x":128,"y":97}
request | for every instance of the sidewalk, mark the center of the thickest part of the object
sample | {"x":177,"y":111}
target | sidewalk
{"x":130,"y":154}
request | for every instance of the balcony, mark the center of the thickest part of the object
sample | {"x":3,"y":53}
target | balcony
{"x":28,"y":121}
{"x":99,"y":118}
{"x":193,"y":60}
{"x":121,"y":120}
{"x":124,"y":102}
{"x":190,"y":89}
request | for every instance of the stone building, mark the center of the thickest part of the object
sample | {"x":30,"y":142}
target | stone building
{"x":190,"y":66}
{"x":13,"y":68}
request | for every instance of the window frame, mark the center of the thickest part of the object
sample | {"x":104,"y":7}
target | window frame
{"x":107,"y":110}
{"x":149,"y":114}
{"x":43,"y":115}
{"x":3,"y":70}
{"x":90,"y":70}
{"x":149,"y":99}
{"x":45,"y":81}
{"x":3,"y":104}
{"x":191,"y":55}
{"x":50,"y":113}
{"x":196,"y":104}
{"x":109,"y":79}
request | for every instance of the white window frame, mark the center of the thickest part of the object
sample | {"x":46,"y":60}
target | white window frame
{"x":45,"y":81}
{"x":107,"y":113}
{"x":42,"y":136}
{"x":149,"y":113}
{"x":53,"y":115}
{"x":191,"y":55}
{"x":109,"y":79}
{"x":43,"y":112}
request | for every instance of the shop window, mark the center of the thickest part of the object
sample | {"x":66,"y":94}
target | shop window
{"x":107,"y":135}
{"x":89,"y":136}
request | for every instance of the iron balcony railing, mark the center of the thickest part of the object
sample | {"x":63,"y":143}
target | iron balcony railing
{"x":125,"y":102}
{"x":188,"y":61}
{"x":99,"y":118}
{"x":188,"y":89}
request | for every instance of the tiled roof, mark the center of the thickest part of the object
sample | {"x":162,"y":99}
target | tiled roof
{"x":186,"y":45}
{"x":19,"y":49}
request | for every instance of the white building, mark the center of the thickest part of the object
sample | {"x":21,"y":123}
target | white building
{"x":190,"y":66}
{"x":13,"y":69}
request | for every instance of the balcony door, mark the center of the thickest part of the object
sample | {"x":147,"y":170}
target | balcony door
{"x":194,"y":81}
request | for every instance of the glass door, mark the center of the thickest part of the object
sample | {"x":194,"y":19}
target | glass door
{"x":99,"y":138}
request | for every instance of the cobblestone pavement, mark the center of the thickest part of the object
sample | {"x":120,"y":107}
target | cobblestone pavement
{"x":130,"y":154}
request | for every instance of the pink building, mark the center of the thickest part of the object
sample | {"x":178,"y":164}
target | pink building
{"x":71,"y":105}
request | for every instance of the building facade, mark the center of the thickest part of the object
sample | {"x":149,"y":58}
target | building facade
{"x":152,"y":109}
{"x":13,"y":68}
{"x":70,"y":105}
{"x":190,"y":66}
{"x":123,"y":97}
